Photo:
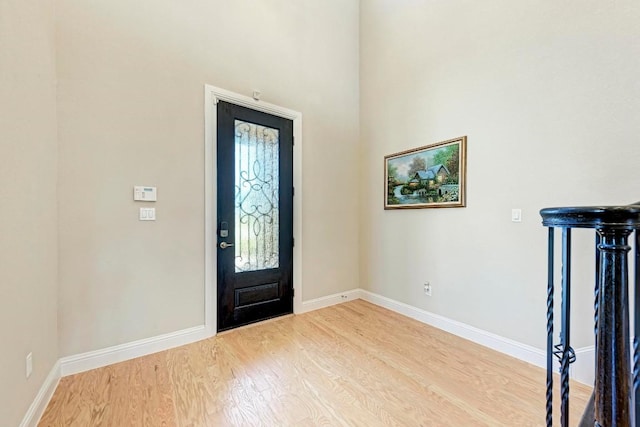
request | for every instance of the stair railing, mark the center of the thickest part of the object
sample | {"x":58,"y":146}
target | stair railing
{"x":615,"y":401}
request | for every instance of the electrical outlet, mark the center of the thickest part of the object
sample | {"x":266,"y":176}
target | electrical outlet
{"x":29,"y":364}
{"x":427,"y":289}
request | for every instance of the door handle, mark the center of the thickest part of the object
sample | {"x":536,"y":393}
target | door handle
{"x":225,"y":245}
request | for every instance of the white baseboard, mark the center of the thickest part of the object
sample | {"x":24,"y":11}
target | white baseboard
{"x":513,"y":348}
{"x":583,"y":369}
{"x":329,"y":300}
{"x":77,"y":363}
{"x":39,"y":404}
{"x":96,"y":359}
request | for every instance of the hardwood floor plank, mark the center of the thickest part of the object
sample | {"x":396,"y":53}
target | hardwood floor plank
{"x":354,"y":364}
{"x":407,"y":374}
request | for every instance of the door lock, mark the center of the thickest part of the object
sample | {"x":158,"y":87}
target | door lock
{"x":224,"y":229}
{"x":225,"y":245}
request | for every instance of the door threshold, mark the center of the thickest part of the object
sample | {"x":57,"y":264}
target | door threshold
{"x":261,"y":322}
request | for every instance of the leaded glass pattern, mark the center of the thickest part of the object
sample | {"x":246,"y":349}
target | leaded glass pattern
{"x":256,"y":204}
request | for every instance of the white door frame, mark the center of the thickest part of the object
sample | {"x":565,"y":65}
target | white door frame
{"x":212,"y":95}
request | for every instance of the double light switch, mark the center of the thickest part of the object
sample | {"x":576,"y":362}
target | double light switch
{"x":147,"y":214}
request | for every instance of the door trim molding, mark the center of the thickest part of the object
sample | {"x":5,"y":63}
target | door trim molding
{"x":212,"y":95}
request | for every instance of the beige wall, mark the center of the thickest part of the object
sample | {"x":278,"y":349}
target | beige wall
{"x":548,"y":95}
{"x":28,"y":209}
{"x":131,"y":78}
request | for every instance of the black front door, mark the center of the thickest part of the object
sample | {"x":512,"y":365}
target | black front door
{"x":255,"y":215}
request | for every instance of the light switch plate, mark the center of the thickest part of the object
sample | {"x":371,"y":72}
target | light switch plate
{"x":516,"y":215}
{"x":147,"y":214}
{"x":29,"y":364}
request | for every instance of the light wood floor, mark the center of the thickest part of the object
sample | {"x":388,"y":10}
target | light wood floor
{"x":353,"y":364}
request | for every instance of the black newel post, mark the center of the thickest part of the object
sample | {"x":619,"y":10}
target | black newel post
{"x":613,"y":382}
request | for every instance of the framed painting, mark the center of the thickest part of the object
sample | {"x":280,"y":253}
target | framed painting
{"x":433,"y":176}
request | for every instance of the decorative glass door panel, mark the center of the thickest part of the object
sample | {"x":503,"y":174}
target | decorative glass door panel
{"x":257,"y":211}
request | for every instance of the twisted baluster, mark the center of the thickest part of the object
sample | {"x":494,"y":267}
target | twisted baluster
{"x":565,"y":331}
{"x":596,"y":293}
{"x":636,"y":367}
{"x":564,"y":387}
{"x":636,"y":332}
{"x":550,"y":331}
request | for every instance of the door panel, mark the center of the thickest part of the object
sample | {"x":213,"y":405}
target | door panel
{"x":255,"y":215}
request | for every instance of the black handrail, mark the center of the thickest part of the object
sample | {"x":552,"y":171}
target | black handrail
{"x":611,"y":402}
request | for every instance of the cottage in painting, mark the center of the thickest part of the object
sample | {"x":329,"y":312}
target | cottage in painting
{"x":429,"y":178}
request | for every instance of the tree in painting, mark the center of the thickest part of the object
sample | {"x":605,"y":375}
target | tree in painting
{"x":448,"y":156}
{"x":392,"y":181}
{"x":417,"y":164}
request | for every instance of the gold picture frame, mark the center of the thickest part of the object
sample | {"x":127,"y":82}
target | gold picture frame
{"x":432,"y":176}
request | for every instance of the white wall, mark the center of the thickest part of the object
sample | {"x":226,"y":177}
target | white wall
{"x":131,"y":78}
{"x":549,"y":97}
{"x":28,"y":208}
